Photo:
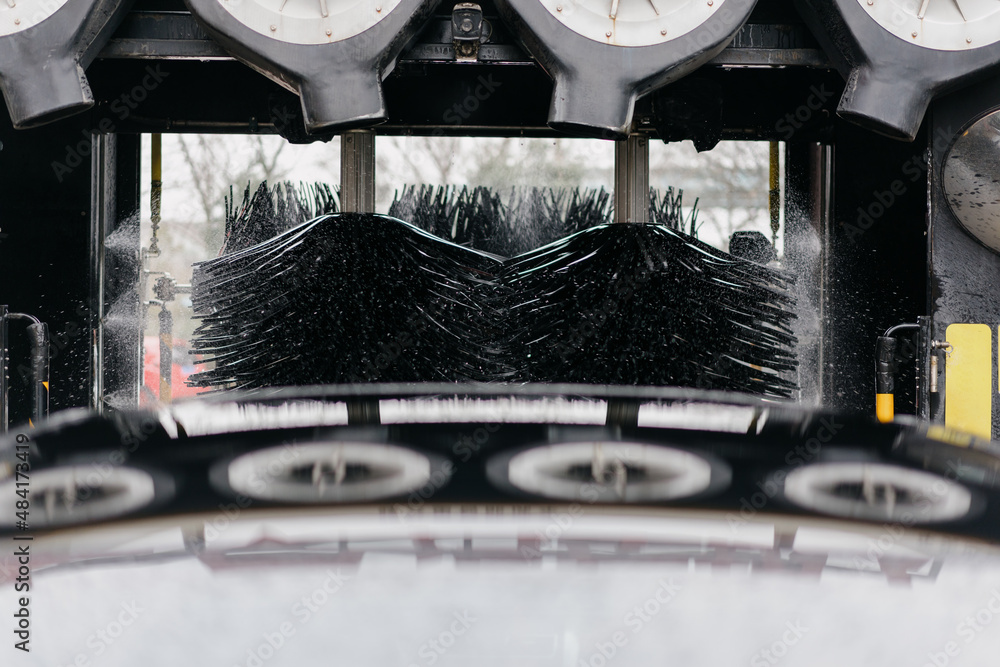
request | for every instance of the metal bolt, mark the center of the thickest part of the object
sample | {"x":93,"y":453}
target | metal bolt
{"x":17,"y":21}
{"x":914,"y":33}
{"x":273,"y":28}
{"x":608,"y":33}
{"x":663,"y":32}
{"x":871,"y":2}
{"x":710,"y":3}
{"x":968,"y":40}
{"x":379,"y":9}
{"x":559,"y":8}
{"x":329,"y":33}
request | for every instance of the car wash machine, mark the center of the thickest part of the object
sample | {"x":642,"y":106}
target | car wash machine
{"x":888,"y":111}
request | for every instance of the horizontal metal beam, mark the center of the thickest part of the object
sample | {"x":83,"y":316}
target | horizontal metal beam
{"x":162,"y":36}
{"x":177,"y":36}
{"x":737,"y":57}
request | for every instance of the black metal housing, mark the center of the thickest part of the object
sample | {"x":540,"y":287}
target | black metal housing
{"x":964,"y":274}
{"x":889,"y":81}
{"x":596,"y":85}
{"x":42,"y":68}
{"x":340,"y":83}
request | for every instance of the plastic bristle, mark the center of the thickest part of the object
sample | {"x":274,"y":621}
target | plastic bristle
{"x":364,"y":297}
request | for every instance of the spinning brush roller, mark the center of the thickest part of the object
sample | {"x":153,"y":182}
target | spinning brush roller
{"x":364,"y":297}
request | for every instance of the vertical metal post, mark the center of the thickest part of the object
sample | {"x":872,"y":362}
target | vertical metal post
{"x":357,"y":195}
{"x":632,"y":179}
{"x":821,"y":157}
{"x":38,"y":333}
{"x":925,"y":367}
{"x":4,"y":392}
{"x":357,"y":171}
{"x":166,"y":354}
{"x":155,"y":191}
{"x":99,"y":219}
{"x":774,"y":192}
{"x":116,"y":337}
{"x":807,"y":203}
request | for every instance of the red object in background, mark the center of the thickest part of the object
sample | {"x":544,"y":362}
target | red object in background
{"x":183,"y":366}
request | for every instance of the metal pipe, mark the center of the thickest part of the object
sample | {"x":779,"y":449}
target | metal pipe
{"x":885,"y":372}
{"x":99,"y":214}
{"x":38,"y":335}
{"x":155,"y":191}
{"x":934,"y":373}
{"x":166,"y":354}
{"x":821,"y":179}
{"x":774,"y":193}
{"x":885,"y":357}
{"x":891,"y":331}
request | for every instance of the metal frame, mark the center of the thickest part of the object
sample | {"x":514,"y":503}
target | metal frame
{"x":99,"y":217}
{"x":962,"y":270}
{"x":4,"y":369}
{"x":821,"y":186}
{"x":112,"y":202}
{"x":632,"y":179}
{"x":357,"y":171}
{"x":772,"y":66}
{"x":177,"y":36}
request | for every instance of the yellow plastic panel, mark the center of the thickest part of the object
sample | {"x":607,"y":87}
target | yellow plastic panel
{"x":968,"y":379}
{"x":885,"y":408}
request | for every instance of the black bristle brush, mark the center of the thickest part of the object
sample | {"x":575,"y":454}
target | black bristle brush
{"x":330,"y":301}
{"x":648,"y":305}
{"x":345,"y":298}
{"x":273,"y":210}
{"x":478,"y":218}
